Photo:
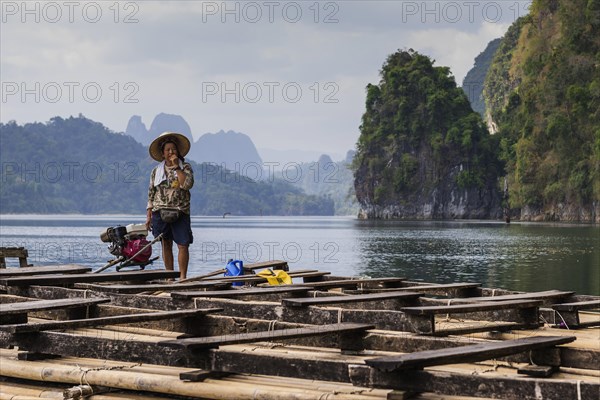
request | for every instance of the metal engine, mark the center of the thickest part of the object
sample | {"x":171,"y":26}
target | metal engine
{"x":129,"y":242}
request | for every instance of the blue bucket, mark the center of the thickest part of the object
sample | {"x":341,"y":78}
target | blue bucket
{"x":235,"y":268}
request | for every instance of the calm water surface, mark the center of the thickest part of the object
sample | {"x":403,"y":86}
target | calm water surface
{"x":519,"y":256}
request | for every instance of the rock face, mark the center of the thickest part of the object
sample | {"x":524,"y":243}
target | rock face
{"x":161,"y":123}
{"x":423,"y":153}
{"x":445,"y":201}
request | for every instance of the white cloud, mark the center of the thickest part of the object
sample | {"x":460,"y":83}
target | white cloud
{"x":171,"y":51}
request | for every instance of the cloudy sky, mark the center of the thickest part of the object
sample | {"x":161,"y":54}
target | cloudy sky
{"x":290,"y":74}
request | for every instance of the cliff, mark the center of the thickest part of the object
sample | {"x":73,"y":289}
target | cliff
{"x":473,"y":82}
{"x":423,"y":153}
{"x":542,"y":93}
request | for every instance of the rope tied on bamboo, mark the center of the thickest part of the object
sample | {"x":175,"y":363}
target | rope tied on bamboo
{"x":83,"y":379}
{"x":78,"y":392}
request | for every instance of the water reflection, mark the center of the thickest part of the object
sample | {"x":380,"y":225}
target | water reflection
{"x":515,"y":256}
{"x":518,"y":256}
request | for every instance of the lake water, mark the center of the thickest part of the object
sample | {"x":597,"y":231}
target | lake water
{"x":516,"y":256}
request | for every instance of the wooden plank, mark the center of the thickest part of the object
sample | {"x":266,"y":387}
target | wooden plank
{"x":44,"y":305}
{"x":466,"y":354}
{"x":57,"y":280}
{"x":341,"y":283}
{"x":51,"y":269}
{"x":201,"y":375}
{"x":437,"y":287}
{"x":278,"y":334}
{"x":580,"y":305}
{"x":78,"y":345}
{"x":242,"y":292}
{"x":540,"y":371}
{"x":13,"y":252}
{"x":152,"y":287}
{"x":466,"y":308}
{"x":569,"y":314}
{"x":498,"y":326}
{"x":461,"y":288}
{"x":551,"y":295}
{"x":275,"y":264}
{"x":318,"y":301}
{"x":113,"y":320}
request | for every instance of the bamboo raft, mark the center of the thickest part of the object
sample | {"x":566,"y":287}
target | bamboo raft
{"x":66,"y":332}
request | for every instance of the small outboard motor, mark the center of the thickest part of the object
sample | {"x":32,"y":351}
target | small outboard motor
{"x":127,"y":242}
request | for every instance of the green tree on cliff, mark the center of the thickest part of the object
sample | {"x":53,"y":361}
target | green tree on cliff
{"x":419,"y":133}
{"x":548,"y":116}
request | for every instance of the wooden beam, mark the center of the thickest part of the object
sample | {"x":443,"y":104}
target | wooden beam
{"x":51,"y":269}
{"x":569,"y":314}
{"x":359,"y":298}
{"x":275,"y":264}
{"x":74,"y":345}
{"x":152,"y":287}
{"x":14,"y":252}
{"x":113,"y":320}
{"x":201,"y":375}
{"x":284,"y":290}
{"x":470,"y":307}
{"x":382,"y":319}
{"x":461,"y":289}
{"x":580,"y":305}
{"x":494,"y":386}
{"x":44,"y":305}
{"x":523,"y":312}
{"x":364,"y":283}
{"x":266,"y":336}
{"x":548,"y":297}
{"x":16,"y":313}
{"x":466,"y":354}
{"x":58,"y":280}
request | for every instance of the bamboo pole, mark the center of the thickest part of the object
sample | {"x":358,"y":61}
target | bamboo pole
{"x":11,"y":396}
{"x":201,"y":277}
{"x":49,"y":372}
{"x":30,"y":390}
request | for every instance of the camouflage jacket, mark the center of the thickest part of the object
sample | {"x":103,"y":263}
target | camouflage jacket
{"x":169,"y":194}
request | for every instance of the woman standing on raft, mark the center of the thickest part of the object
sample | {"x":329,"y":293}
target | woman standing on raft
{"x":168,"y":209}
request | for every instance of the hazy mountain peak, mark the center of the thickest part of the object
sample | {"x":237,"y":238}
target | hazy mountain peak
{"x":233,"y":150}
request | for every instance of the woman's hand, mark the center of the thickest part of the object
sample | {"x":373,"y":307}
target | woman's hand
{"x":173,"y":159}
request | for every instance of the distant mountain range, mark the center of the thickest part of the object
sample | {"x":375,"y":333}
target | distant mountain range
{"x":312,"y":171}
{"x":76,"y":165}
{"x":221,"y":148}
{"x":161,"y":123}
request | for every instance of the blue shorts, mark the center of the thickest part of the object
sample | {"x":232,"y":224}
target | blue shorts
{"x":179,"y":231}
